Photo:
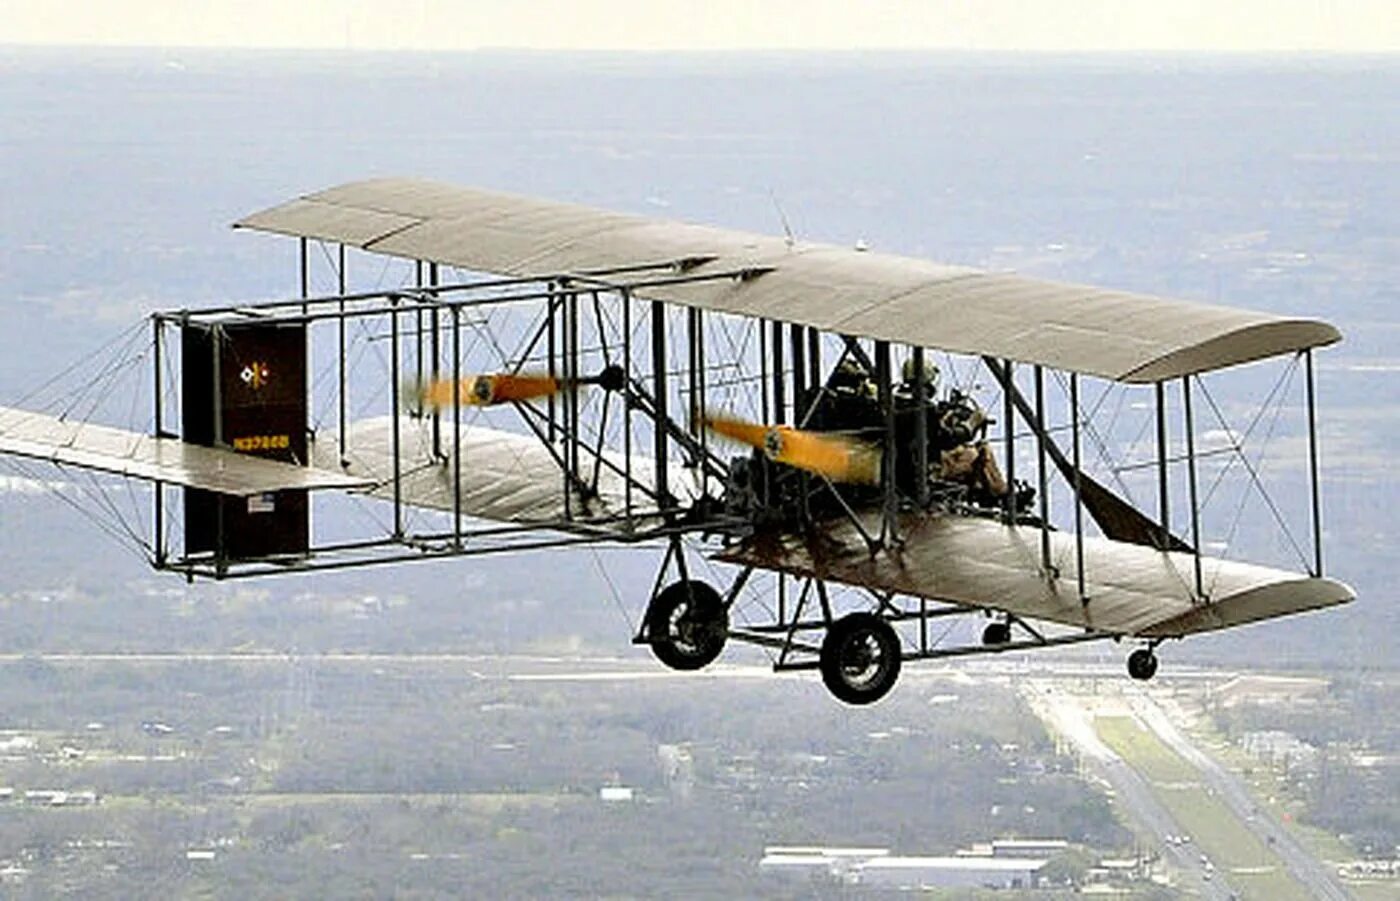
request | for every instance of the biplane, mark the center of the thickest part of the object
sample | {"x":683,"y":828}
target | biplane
{"x":770,"y":410}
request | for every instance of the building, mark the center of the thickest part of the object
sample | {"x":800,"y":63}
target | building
{"x":809,"y":861}
{"x":1274,"y":690}
{"x":615,"y":794}
{"x":1037,"y":848}
{"x":949,"y":872}
{"x":1281,"y":749}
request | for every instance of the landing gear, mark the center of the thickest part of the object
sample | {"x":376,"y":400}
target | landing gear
{"x":1142,"y":664}
{"x":860,"y":658}
{"x":687,"y":625}
{"x":996,"y":633}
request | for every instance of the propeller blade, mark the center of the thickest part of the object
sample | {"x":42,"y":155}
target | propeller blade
{"x":737,"y":430}
{"x":837,"y":457}
{"x":488,"y":390}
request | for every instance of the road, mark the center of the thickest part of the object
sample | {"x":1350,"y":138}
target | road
{"x":1320,"y":881}
{"x":1069,"y":717}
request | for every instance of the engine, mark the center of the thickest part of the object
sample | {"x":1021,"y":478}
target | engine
{"x":962,"y":468}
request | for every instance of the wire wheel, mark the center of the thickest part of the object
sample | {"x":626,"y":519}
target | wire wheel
{"x":860,"y":658}
{"x":687,"y":625}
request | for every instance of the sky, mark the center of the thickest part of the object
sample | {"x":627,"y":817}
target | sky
{"x":1338,"y":26}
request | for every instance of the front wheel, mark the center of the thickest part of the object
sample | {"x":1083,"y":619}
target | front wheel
{"x":860,"y":658}
{"x":687,"y":625}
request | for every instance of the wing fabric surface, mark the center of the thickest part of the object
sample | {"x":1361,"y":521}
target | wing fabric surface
{"x":132,"y":454}
{"x":1111,"y":334}
{"x":976,"y":562}
{"x":506,"y":476}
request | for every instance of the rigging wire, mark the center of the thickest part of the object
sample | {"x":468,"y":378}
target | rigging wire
{"x":1239,"y":511}
{"x":123,"y":336}
{"x":1254,"y":479}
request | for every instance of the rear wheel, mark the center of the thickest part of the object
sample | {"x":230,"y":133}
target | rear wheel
{"x":687,"y":625}
{"x":1142,"y":664}
{"x":860,"y":658}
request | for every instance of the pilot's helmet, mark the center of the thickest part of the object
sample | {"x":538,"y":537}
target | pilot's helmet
{"x":847,"y":375}
{"x":930,"y":371}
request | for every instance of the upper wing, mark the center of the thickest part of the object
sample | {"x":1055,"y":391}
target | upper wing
{"x":1112,"y":334}
{"x":170,"y":460}
{"x":977,"y":562}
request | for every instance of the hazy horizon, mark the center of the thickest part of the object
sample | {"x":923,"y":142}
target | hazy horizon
{"x":1358,"y":26}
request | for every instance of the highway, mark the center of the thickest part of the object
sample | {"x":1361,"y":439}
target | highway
{"x":1073,"y":721}
{"x":1307,"y":869}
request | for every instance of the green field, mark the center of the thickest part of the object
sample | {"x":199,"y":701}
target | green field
{"x":1243,"y":860}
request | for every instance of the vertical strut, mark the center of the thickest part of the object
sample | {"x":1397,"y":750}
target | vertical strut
{"x":305,"y":268}
{"x":437,"y":357}
{"x":1042,"y":474}
{"x":395,"y":414}
{"x":304,"y":262}
{"x":158,"y":334}
{"x":692,"y":366}
{"x":1078,"y":487}
{"x":921,"y":400}
{"x":797,"y":335}
{"x":1191,"y":481}
{"x":1164,"y":515}
{"x":456,"y":424}
{"x":552,"y":341}
{"x":799,"y":375}
{"x":626,"y":297}
{"x":814,"y":359}
{"x":418,"y":329}
{"x":216,"y":336}
{"x":695,"y":390}
{"x":1316,"y":486}
{"x":567,"y":426}
{"x":765,"y":409}
{"x":340,"y":327}
{"x":661,"y":402}
{"x":890,"y":506}
{"x":698,"y":402}
{"x":571,"y":398}
{"x":779,"y":376}
{"x":1008,"y":415}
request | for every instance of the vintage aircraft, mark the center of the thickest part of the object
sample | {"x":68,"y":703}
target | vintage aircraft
{"x":761,"y":403}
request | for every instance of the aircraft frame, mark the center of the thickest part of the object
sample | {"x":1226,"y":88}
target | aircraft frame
{"x":629,"y":453}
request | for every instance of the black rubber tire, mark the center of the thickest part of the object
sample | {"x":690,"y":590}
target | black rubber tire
{"x":996,"y":633}
{"x":860,"y":658}
{"x":1142,"y":664}
{"x":687,"y":625}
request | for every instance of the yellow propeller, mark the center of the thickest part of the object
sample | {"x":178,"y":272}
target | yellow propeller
{"x":839,"y":458}
{"x":507,"y":387}
{"x":486,"y":390}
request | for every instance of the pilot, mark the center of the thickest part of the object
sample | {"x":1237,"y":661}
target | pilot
{"x":910,"y":374}
{"x":850,"y":378}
